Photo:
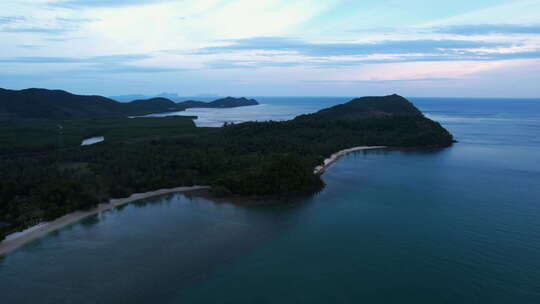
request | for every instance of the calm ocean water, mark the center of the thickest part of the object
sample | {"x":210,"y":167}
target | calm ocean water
{"x":457,"y":225}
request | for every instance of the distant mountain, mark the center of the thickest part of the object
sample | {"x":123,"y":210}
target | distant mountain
{"x":57,"y":104}
{"x":131,"y":97}
{"x":207,"y":96}
{"x":380,"y":106}
{"x":228,"y":102}
{"x":172,"y":96}
{"x":154,"y":105}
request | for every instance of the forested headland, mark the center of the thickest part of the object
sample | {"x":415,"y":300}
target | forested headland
{"x":46,"y":173}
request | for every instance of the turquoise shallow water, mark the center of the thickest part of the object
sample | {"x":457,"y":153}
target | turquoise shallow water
{"x":457,"y":225}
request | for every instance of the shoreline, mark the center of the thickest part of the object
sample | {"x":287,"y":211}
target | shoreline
{"x":17,"y":239}
{"x":334,"y":157}
{"x":41,"y":229}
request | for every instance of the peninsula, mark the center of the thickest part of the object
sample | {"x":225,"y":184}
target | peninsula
{"x":47,"y":174}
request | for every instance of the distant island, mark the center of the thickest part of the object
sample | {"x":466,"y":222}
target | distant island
{"x":46,"y":173}
{"x":228,"y":102}
{"x":57,"y":104}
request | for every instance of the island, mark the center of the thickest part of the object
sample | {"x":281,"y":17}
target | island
{"x":47,"y":174}
{"x":228,"y":102}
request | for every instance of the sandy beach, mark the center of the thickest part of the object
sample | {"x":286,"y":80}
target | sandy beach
{"x":334,"y":157}
{"x":18,"y":239}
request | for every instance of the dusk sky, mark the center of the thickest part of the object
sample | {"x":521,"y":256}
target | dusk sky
{"x":462,"y":48}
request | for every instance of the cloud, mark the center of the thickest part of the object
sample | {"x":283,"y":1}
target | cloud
{"x":109,"y":64}
{"x":35,"y":30}
{"x":488,"y":29}
{"x":120,"y":58}
{"x":62,"y":39}
{"x":516,"y":55}
{"x":461,"y":56}
{"x":109,"y":59}
{"x":11,"y":19}
{"x":329,"y":63}
{"x":75,"y":20}
{"x":330,"y":55}
{"x":55,"y":26}
{"x":29,"y":46}
{"x":248,"y":64}
{"x":279,"y":44}
{"x":127,"y":69}
{"x":458,"y":29}
{"x":103,"y":3}
{"x":379,"y":81}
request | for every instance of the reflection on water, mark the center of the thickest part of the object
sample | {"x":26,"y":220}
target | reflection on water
{"x":172,"y":240}
{"x":90,"y":221}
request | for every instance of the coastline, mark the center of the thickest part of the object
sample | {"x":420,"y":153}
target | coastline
{"x":42,"y":229}
{"x":334,"y":157}
{"x":18,"y":239}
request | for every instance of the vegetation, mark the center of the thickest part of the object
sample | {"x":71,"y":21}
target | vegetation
{"x":61,"y":105}
{"x":374,"y":106}
{"x":30,"y":136}
{"x":56,"y":104}
{"x":228,"y":102}
{"x":42,"y":179}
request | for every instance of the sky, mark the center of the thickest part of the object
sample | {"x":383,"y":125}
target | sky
{"x":420,"y":48}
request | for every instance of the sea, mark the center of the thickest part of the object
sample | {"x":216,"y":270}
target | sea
{"x":454,"y":225}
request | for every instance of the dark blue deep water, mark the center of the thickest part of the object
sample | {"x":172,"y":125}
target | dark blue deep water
{"x":457,"y":225}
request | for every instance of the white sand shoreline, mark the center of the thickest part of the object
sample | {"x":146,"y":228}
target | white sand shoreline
{"x":17,"y":239}
{"x":334,"y":157}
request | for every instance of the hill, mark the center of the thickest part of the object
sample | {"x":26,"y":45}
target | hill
{"x":54,"y":104}
{"x":154,"y":105}
{"x":57,"y":104}
{"x":373,"y":106}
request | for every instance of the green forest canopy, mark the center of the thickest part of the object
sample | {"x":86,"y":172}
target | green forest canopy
{"x":46,"y":174}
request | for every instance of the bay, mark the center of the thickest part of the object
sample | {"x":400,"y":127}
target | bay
{"x":456,"y":225}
